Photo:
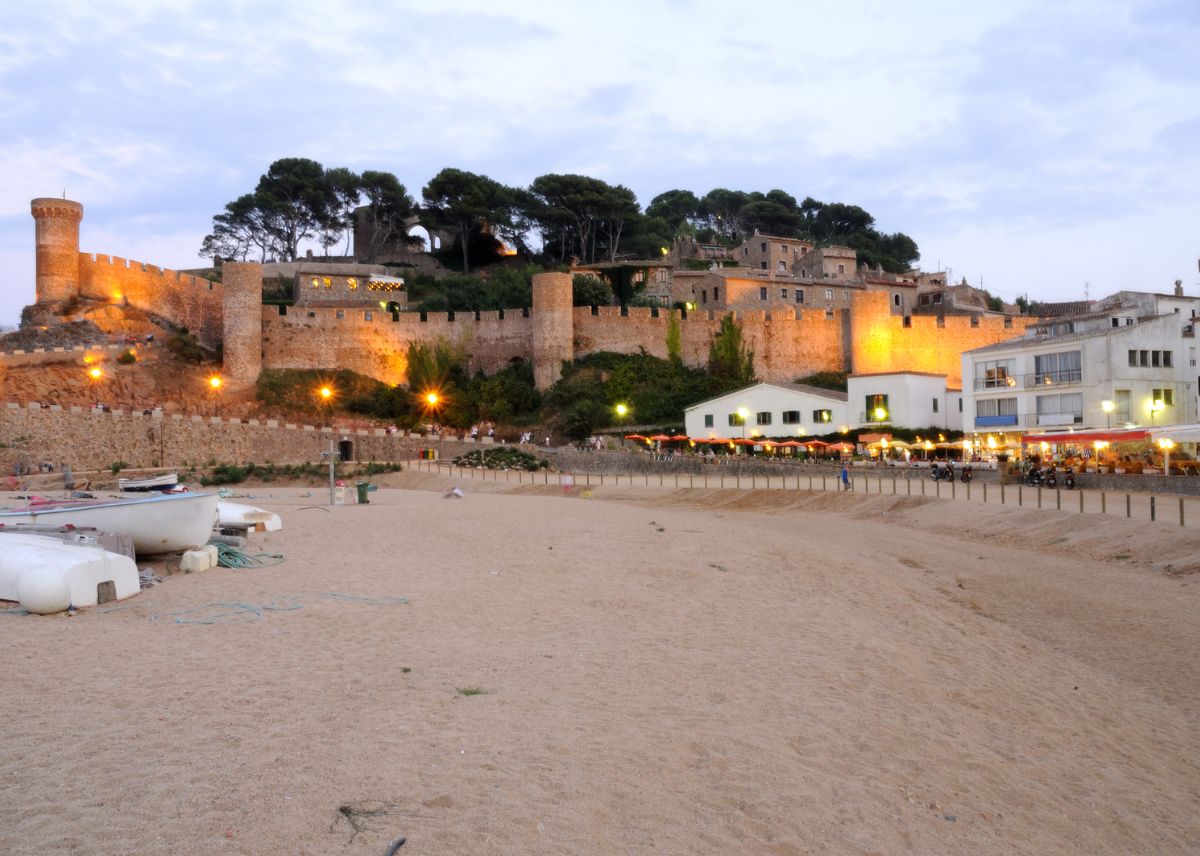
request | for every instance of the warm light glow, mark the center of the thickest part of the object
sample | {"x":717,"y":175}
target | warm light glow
{"x":941,"y":438}
{"x":1157,"y":405}
{"x":928,"y":446}
{"x":883,"y":441}
{"x":753,"y":432}
{"x":665,"y":251}
{"x":214,"y":382}
{"x":991,"y":442}
{"x":742,"y":413}
{"x":118,"y":297}
{"x":690,"y":306}
{"x":431,"y":398}
{"x":325,"y":393}
{"x":844,"y":429}
{"x":1166,"y":444}
{"x":95,"y":373}
{"x":1107,"y":406}
{"x":1100,"y":444}
{"x":622,"y":409}
{"x":880,"y":413}
{"x":1045,"y":446}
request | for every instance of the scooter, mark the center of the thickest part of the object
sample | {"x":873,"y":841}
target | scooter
{"x":1069,"y":479}
{"x":1051,"y":478}
{"x":968,"y":473}
{"x":1034,"y":477}
{"x":939,"y":473}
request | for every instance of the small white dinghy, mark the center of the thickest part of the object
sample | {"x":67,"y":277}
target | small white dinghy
{"x":158,"y":522}
{"x":161,"y":482}
{"x":234,"y":515}
{"x":46,"y":575}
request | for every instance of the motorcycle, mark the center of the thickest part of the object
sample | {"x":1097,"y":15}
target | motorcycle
{"x":1034,"y":477}
{"x":968,"y":473}
{"x":940,"y":473}
{"x":1051,"y":479}
{"x":1069,"y":479}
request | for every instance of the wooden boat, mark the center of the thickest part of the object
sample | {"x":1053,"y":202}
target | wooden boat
{"x":234,"y":515}
{"x":158,"y":523}
{"x":46,"y":574}
{"x":161,"y":482}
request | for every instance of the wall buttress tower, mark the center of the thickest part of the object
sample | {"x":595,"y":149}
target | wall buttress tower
{"x":242,"y":320}
{"x":553,"y":327}
{"x":57,"y":237}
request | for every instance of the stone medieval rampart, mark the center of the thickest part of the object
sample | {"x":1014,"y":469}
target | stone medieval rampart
{"x":184,"y":300}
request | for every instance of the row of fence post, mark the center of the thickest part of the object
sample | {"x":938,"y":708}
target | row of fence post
{"x":615,"y":479}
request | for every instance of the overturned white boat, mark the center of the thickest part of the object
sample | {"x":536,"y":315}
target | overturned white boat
{"x":235,"y":515}
{"x":160,"y":482}
{"x":46,"y":574}
{"x":158,"y":523}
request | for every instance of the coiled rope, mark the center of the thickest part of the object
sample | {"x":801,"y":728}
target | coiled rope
{"x":232,"y":613}
{"x":232,"y":557}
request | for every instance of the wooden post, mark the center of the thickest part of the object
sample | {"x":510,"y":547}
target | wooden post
{"x":985,"y":493}
{"x":1181,"y":511}
{"x":1081,"y":502}
{"x":1151,"y":508}
{"x":908,"y":481}
{"x":1058,"y":499}
{"x":1128,"y":506}
{"x":953,"y":489}
{"x":1020,"y":496}
{"x":1103,"y":502}
{"x":968,"y":491}
{"x":1039,"y":496}
{"x":893,"y":485}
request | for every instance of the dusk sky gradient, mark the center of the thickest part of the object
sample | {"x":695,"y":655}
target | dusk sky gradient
{"x":1036,"y":146}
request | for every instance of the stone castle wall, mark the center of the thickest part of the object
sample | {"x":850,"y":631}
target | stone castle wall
{"x":372,"y":343}
{"x":90,"y":440}
{"x":184,"y":300}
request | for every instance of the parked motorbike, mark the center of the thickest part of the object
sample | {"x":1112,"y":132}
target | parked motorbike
{"x":967,"y":474}
{"x":1069,"y":479}
{"x":939,"y":473}
{"x":1034,"y":477}
{"x":1051,"y":479}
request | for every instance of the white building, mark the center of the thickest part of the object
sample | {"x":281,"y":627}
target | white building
{"x":904,"y":400}
{"x":768,"y":410}
{"x":1111,"y":368}
{"x":894,"y":399}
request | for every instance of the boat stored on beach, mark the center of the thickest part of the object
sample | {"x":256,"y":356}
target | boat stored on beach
{"x":160,"y":482}
{"x":46,"y":574}
{"x":158,"y":523}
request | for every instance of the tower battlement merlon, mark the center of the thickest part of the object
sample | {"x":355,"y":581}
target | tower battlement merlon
{"x":57,"y":241}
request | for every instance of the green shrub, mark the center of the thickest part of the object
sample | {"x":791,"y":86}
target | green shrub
{"x":126,"y":357}
{"x":117,"y":466}
{"x":224,"y":474}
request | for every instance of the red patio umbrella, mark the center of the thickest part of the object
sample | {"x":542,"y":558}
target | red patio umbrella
{"x":660,"y":438}
{"x":634,"y":437}
{"x":681,"y":437}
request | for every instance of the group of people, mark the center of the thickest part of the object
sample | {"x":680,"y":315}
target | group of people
{"x":489,"y":429}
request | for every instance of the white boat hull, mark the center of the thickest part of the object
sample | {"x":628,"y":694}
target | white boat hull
{"x":166,"y":481}
{"x":162,"y":523}
{"x":248,"y":516}
{"x":32,"y":562}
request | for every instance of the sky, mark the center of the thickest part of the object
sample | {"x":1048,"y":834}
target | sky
{"x":1035,"y":148}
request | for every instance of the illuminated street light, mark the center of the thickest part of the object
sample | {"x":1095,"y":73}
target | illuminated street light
{"x":214,"y":382}
{"x":431,"y":399}
{"x":1156,"y":407}
{"x":743,"y":414}
{"x":1107,"y":406}
{"x":95,"y":373}
{"x":622,"y":410}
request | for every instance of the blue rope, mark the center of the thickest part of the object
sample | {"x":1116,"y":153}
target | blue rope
{"x":237,"y":613}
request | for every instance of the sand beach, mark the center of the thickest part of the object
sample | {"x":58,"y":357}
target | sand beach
{"x":645,"y":671}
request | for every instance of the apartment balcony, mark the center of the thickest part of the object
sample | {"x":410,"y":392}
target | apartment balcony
{"x":1030,"y":381}
{"x":1029,"y":420}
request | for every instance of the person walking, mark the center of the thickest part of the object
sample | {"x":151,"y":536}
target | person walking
{"x":845,"y":475}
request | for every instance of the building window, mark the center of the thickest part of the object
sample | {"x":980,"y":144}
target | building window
{"x":791,"y":417}
{"x":762,"y":265}
{"x":745,"y":251}
{"x":340,"y":314}
{"x":935,"y":405}
{"x":352,"y":284}
{"x":1166,"y":359}
{"x":1123,"y":406}
{"x":991,"y":412}
{"x":708,"y":420}
{"x":716,"y":288}
{"x":1133,"y":358}
{"x":327,"y":282}
{"x":829,"y":294}
{"x":783,"y":249}
{"x":937,"y":298}
{"x":876,"y":408}
{"x":799,"y":296}
{"x":782,"y":266}
{"x":895,"y":300}
{"x":735,"y":419}
{"x":994,"y":374}
{"x":704,"y":296}
{"x":1143,"y":358}
{"x":367,"y":316}
{"x":763,"y":417}
{"x":841,"y":268}
{"x":762,"y":293}
{"x":783,"y":294}
{"x":803,"y":272}
{"x":1063,"y":367}
{"x":1064,"y":409}
{"x":960,"y":405}
{"x":1156,"y":358}
{"x":316,"y":283}
{"x":764,"y":246}
{"x":822,"y":416}
{"x":804,"y":251}
{"x":1166,"y":396}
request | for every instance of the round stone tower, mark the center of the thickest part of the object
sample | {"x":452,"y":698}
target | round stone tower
{"x":242,"y":320}
{"x":57,"y":229}
{"x":553,"y":327}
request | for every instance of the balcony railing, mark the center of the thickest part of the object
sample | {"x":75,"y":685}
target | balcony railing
{"x":1030,"y":420}
{"x":1029,"y":381}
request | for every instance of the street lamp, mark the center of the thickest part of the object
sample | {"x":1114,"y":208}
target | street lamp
{"x":622,"y":410}
{"x":214,"y":389}
{"x":1156,"y":407}
{"x":1166,"y":445}
{"x":743,"y":414}
{"x":1107,"y":406}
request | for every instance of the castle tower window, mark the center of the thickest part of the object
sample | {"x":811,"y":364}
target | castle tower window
{"x":764,"y":246}
{"x":762,"y":265}
{"x":829,"y":294}
{"x":783,"y":294}
{"x":762,"y":293}
{"x":716,"y":288}
{"x":352,"y":283}
{"x":316,"y":283}
{"x":799,"y":296}
{"x":327,"y":282}
{"x":895,"y":300}
{"x":841,"y":268}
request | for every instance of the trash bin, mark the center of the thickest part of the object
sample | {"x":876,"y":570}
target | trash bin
{"x":363,"y":487}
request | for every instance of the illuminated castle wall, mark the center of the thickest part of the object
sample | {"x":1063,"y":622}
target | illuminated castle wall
{"x":787,"y":343}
